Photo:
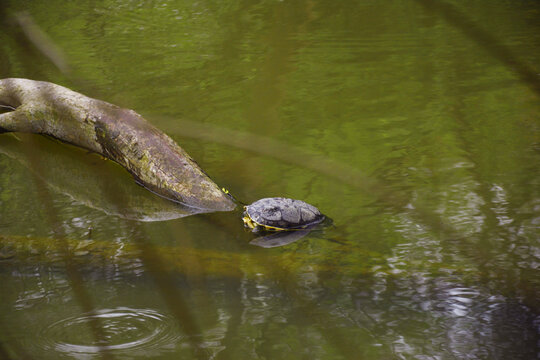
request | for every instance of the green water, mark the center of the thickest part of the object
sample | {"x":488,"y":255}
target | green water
{"x":414,"y":125}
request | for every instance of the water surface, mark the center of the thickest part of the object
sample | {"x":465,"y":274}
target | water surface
{"x":414,"y":126}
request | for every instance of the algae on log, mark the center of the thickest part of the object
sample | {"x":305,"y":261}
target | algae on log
{"x":122,"y":135}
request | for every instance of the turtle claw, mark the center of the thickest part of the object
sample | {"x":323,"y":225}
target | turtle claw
{"x":249,"y":223}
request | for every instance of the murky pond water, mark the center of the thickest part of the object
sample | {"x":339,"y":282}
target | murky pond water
{"x":413,"y":125}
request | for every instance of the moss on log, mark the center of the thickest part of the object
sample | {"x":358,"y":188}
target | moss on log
{"x":122,"y":135}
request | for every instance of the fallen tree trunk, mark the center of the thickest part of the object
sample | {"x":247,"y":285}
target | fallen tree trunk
{"x":122,"y":135}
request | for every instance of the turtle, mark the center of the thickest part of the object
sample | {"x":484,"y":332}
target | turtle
{"x":278,"y":214}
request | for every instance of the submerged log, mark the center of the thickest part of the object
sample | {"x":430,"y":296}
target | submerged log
{"x":122,"y":135}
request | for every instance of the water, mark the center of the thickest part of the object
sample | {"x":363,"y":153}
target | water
{"x":413,"y":126}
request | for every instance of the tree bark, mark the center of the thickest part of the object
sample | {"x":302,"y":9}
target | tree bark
{"x":122,"y":135}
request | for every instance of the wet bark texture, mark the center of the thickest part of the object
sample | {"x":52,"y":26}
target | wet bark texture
{"x":122,"y":135}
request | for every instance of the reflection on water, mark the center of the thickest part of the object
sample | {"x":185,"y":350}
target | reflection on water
{"x":279,"y":239}
{"x":60,"y":169}
{"x":417,"y":140}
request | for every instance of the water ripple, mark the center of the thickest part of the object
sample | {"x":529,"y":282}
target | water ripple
{"x":124,"y":330}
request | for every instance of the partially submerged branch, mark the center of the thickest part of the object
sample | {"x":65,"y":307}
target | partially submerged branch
{"x":121,"y":135}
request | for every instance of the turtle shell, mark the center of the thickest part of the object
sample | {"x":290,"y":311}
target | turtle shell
{"x":281,"y":213}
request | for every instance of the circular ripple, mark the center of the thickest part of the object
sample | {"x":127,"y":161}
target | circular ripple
{"x":121,"y":330}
